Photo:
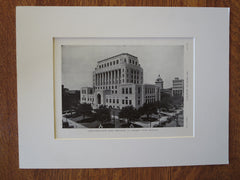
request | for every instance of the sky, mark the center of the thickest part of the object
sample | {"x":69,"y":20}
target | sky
{"x":79,"y":62}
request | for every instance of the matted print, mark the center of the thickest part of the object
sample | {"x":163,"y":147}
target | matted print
{"x":123,"y":87}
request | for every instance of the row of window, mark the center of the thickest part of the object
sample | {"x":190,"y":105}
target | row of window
{"x":132,"y":71}
{"x":177,"y":92}
{"x":108,"y":82}
{"x":150,"y":101}
{"x":117,"y":101}
{"x":127,"y":90}
{"x":88,"y":99}
{"x":90,"y":91}
{"x":132,"y":62}
{"x":149,"y":90}
{"x":109,"y":87}
{"x":132,"y":81}
{"x":112,"y":63}
{"x":150,"y":97}
{"x":109,"y":64}
{"x":131,"y":76}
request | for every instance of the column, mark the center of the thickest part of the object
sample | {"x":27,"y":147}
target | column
{"x":95,"y":76}
{"x":106,"y":77}
{"x":98,"y":79}
{"x":103,"y":78}
{"x":119,"y":76}
{"x":116,"y":71}
{"x":112,"y":77}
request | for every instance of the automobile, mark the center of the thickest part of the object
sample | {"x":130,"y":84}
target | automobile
{"x":106,"y":125}
{"x":164,"y":119}
{"x":158,"y":125}
{"x":130,"y":125}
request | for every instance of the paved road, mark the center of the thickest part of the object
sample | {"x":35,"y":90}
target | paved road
{"x":73,"y":123}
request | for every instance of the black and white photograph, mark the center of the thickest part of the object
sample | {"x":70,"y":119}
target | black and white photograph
{"x":122,"y":86}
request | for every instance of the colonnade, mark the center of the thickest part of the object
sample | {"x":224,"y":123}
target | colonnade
{"x":108,"y":77}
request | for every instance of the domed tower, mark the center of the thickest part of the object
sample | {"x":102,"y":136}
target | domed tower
{"x":159,"y":82}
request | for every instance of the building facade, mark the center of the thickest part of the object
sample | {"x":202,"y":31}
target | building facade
{"x":118,"y":82}
{"x":178,"y":87}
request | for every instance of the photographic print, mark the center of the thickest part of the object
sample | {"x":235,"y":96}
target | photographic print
{"x":125,"y":86}
{"x":122,"y":86}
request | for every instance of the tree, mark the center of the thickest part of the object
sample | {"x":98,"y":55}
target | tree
{"x":148,"y":109}
{"x":102,"y":114}
{"x":130,"y":113}
{"x":84,"y":110}
{"x":166,"y":101}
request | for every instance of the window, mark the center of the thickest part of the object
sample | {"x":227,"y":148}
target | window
{"x":117,"y":101}
{"x":130,"y":102}
{"x":126,"y":90}
{"x":113,"y":100}
{"x":126,"y":101}
{"x":130,"y":61}
{"x":117,"y":61}
{"x":138,"y":102}
{"x":116,"y":92}
{"x":110,"y":100}
{"x":122,"y":90}
{"x":115,"y":87}
{"x":112,"y":87}
{"x":130,"y":90}
{"x":107,"y":64}
{"x":125,"y":60}
{"x":113,"y":62}
{"x":110,"y":63}
{"x":123,"y":101}
{"x":106,"y":100}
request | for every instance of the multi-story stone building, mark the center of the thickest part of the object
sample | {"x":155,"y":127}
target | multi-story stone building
{"x":178,"y":87}
{"x":118,"y":82}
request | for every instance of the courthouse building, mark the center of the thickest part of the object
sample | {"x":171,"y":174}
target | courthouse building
{"x":118,"y":82}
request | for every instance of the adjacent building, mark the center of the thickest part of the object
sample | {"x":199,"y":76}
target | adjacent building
{"x":178,"y":87}
{"x":70,"y":98}
{"x":118,"y":82}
